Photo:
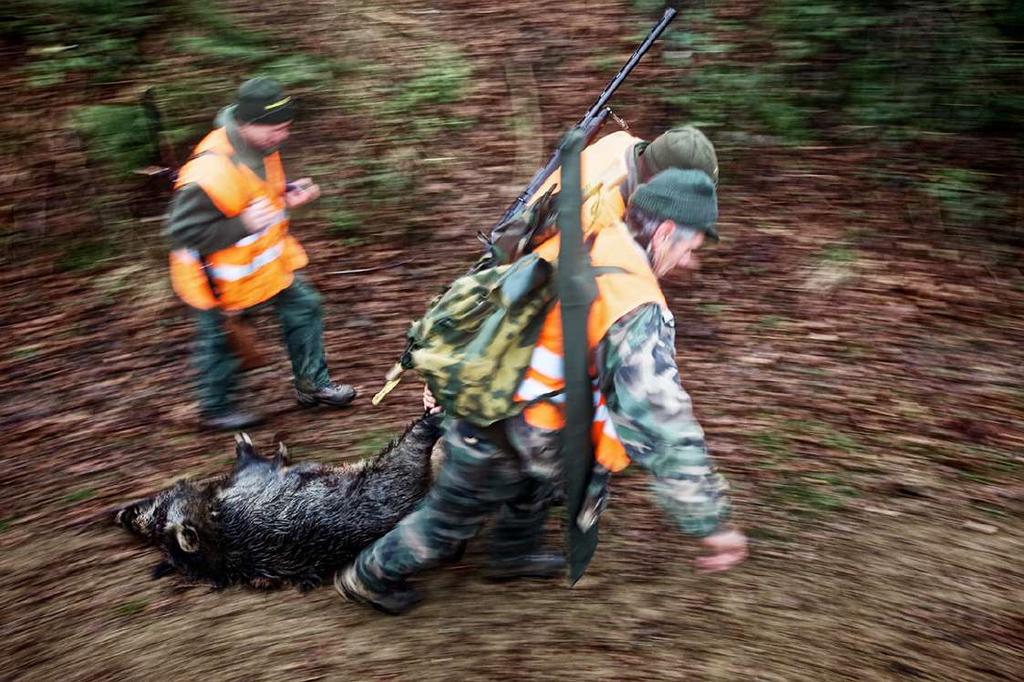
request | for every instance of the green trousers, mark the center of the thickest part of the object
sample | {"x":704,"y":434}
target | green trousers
{"x":298,"y":309}
{"x":480,"y":476}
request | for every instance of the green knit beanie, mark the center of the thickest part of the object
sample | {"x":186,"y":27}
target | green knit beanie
{"x":686,"y":197}
{"x":685,"y":148}
{"x":263,"y":102}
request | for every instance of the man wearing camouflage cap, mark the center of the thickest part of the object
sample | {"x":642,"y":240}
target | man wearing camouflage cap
{"x":642,"y":415}
{"x":611,"y":169}
{"x":620,"y":162}
{"x":228,"y":229}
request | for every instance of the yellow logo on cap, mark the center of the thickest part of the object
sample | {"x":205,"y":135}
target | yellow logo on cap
{"x":281,"y":103}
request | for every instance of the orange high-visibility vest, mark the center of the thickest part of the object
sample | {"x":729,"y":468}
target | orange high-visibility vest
{"x":618,"y":293}
{"x":256,"y":267}
{"x":603,"y":165}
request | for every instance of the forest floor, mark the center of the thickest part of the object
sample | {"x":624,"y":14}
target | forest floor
{"x":856,"y":364}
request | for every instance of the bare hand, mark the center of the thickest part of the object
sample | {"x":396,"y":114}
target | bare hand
{"x":303,"y":191}
{"x":259,"y":215}
{"x":430,"y":405}
{"x":726,"y":549}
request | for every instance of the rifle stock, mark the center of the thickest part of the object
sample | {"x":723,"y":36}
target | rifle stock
{"x":244,"y":342}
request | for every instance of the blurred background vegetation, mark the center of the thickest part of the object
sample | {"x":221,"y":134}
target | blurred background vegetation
{"x":928,"y":81}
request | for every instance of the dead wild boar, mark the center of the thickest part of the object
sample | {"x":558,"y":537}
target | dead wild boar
{"x":269,"y":523}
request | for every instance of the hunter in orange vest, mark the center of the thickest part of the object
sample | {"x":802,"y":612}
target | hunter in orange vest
{"x":612,"y":167}
{"x":231,"y":251}
{"x":643,"y":416}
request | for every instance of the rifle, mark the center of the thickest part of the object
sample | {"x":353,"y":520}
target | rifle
{"x":594,"y":118}
{"x":241,"y":335}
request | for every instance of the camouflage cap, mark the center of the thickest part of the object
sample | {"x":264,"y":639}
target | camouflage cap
{"x":684,"y":148}
{"x":686,"y":197}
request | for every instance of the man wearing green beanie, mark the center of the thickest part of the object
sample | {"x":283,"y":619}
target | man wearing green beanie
{"x":232,"y":253}
{"x":620,"y":162}
{"x":612,"y":167}
{"x":512,"y":468}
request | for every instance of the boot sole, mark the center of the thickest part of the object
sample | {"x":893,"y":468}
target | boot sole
{"x":351,"y":595}
{"x":305,"y":401}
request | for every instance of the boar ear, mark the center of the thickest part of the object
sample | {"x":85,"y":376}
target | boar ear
{"x":282,"y":456}
{"x":188,"y":539}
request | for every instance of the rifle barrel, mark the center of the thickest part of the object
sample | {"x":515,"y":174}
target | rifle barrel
{"x":595,"y":115}
{"x":623,"y":73}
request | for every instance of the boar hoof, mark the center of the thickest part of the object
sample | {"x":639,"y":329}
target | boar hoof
{"x":282,"y":458}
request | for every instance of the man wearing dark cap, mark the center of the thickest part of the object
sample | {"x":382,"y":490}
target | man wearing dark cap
{"x":642,"y":415}
{"x":232,"y":252}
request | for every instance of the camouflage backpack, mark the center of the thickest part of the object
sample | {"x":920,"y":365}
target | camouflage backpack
{"x":474,"y":343}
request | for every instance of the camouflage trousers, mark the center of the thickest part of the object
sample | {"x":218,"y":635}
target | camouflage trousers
{"x":481,"y":475}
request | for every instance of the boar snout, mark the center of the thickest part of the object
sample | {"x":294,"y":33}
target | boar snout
{"x":125,"y":516}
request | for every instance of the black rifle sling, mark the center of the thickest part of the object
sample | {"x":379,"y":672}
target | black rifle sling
{"x":576,"y":291}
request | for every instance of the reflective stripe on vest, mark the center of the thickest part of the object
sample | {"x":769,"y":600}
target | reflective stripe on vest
{"x":233,"y":273}
{"x":618,"y":294}
{"x":257,"y":266}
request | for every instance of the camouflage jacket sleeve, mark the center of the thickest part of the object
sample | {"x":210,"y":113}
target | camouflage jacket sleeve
{"x":654,"y":418}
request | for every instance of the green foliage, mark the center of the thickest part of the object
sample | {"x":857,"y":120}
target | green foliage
{"x":963,"y":197}
{"x":86,"y":255}
{"x":838,"y":254}
{"x":238,"y":47}
{"x":117,"y":134}
{"x":95,"y":37}
{"x":344,"y":222}
{"x":258,"y":52}
{"x":132,"y":607}
{"x":442,"y":80}
{"x":810,"y":499}
{"x":299,"y":70}
{"x":774,"y":444}
{"x":417,"y":104}
{"x":80,"y":495}
{"x":386,"y":179}
{"x":711,"y":308}
{"x":897,"y":70}
{"x":25,"y":352}
{"x":761,"y":534}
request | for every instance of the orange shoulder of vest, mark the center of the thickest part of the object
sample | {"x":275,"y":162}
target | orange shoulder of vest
{"x":217,"y":142}
{"x":611,"y":146}
{"x":220,"y":180}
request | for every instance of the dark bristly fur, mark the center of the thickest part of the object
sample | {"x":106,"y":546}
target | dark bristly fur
{"x":268,"y":524}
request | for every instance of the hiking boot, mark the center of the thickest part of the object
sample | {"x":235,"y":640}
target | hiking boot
{"x":335,"y":395}
{"x":539,"y":565}
{"x":352,"y":589}
{"x":232,"y":420}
